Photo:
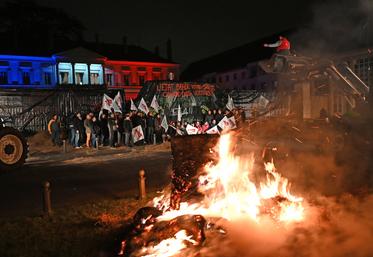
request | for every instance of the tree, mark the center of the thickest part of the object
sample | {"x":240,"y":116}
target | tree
{"x":29,"y":25}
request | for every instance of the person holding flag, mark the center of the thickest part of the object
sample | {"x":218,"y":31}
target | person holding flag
{"x":155,"y":104}
{"x":143,"y":106}
{"x":230,"y":104}
{"x":118,"y":101}
{"x":133,"y":106}
{"x":179,"y":114}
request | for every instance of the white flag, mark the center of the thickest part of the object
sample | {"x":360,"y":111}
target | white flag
{"x":133,"y":106}
{"x":263,"y":102}
{"x":116,"y":108}
{"x":118,"y":100}
{"x":137,"y":134}
{"x":232,"y":120}
{"x":213,"y":130}
{"x":143,"y":106}
{"x":230,"y":105}
{"x":191,"y":130}
{"x":164,"y":123}
{"x":107,"y":103}
{"x":155,"y":104}
{"x":179,"y":113}
{"x":225,"y":123}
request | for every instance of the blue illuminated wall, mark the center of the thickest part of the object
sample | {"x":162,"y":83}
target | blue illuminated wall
{"x":44,"y":72}
{"x":27,"y":71}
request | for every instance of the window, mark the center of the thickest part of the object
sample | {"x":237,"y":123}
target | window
{"x":243,"y":75}
{"x":235,"y":76}
{"x":64,"y":78}
{"x":25,"y":64}
{"x":47,"y":78}
{"x":126,"y":79}
{"x":26,"y":77}
{"x":95,"y":79}
{"x":141,"y":79}
{"x":3,"y":77}
{"x":79,"y":78}
{"x":227,"y":78}
{"x":109,"y":79}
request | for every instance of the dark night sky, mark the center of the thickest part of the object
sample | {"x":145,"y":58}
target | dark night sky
{"x":198,"y":28}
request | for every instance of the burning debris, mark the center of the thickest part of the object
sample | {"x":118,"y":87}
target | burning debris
{"x":215,"y":188}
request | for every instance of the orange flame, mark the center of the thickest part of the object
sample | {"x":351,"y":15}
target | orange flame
{"x":229,"y":193}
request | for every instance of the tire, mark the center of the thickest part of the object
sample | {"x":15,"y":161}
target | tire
{"x":13,"y":149}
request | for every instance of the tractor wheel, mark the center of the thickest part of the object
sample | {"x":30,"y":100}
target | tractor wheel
{"x":13,"y":149}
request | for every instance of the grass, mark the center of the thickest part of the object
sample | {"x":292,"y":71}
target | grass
{"x":84,"y":231}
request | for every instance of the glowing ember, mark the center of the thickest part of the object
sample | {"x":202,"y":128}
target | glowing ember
{"x":168,"y":247}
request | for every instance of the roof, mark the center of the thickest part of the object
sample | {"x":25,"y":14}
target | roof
{"x":79,"y":53}
{"x":234,"y":58}
{"x":117,"y":52}
{"x":109,"y":50}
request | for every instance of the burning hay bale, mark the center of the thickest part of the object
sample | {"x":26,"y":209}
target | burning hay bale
{"x":147,"y":232}
{"x":208,"y":185}
{"x":190,"y":154}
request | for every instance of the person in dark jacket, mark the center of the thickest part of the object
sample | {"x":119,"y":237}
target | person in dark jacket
{"x":209,"y":117}
{"x":219,"y":116}
{"x":112,"y":127}
{"x":143,"y":126}
{"x":127,"y":130}
{"x":104,"y":129}
{"x":119,"y":122}
{"x":78,"y":125}
{"x":150,"y":123}
{"x":54,"y":130}
{"x":158,"y":127}
{"x":96,"y":132}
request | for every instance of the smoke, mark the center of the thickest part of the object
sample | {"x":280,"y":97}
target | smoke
{"x":335,"y":227}
{"x":337,"y":223}
{"x":337,"y":25}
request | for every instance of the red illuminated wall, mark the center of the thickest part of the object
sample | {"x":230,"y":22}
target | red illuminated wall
{"x":136,"y":70}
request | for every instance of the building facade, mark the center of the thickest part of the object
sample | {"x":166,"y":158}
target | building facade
{"x":80,"y":67}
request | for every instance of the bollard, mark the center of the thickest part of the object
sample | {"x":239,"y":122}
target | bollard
{"x":64,"y":146}
{"x":97,"y":143}
{"x":154,"y":139}
{"x":142,"y":191}
{"x":47,"y":206}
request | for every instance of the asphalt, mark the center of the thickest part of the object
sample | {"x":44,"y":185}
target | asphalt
{"x":79,"y":182}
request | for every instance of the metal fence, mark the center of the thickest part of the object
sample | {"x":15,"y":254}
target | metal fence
{"x":31,"y":110}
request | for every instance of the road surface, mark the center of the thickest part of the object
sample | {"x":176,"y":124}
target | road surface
{"x":79,"y":182}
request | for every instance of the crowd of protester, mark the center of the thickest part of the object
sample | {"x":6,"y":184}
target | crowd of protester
{"x":115,"y":129}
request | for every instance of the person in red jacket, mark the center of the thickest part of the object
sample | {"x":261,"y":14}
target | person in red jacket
{"x":282,"y":46}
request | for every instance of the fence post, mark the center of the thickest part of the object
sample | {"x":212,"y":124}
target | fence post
{"x":47,"y":205}
{"x":154,"y":139}
{"x":142,"y":190}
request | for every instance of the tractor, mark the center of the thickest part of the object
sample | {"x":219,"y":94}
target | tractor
{"x":13,"y":147}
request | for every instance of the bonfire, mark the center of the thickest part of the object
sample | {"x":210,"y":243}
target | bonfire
{"x":225,"y":192}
